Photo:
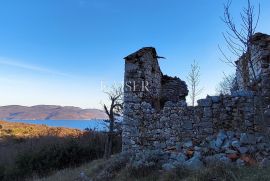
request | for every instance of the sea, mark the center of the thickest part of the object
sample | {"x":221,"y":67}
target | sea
{"x":97,"y":125}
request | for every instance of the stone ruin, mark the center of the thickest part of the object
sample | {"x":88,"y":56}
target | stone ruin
{"x":227,"y":128}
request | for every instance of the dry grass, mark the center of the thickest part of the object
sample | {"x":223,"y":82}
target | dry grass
{"x":23,"y":130}
{"x":75,"y":173}
{"x":217,"y":173}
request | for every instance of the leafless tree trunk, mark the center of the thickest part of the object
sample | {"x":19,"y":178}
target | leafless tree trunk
{"x":238,"y":39}
{"x":239,"y":44}
{"x":194,"y":81}
{"x":113,"y":110}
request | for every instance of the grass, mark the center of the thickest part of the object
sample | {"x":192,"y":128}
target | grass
{"x":73,"y":173}
{"x":217,"y":173}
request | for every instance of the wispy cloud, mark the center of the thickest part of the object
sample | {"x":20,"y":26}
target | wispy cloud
{"x":17,"y":64}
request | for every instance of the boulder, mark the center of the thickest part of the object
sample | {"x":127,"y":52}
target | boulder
{"x":265,"y":163}
{"x":240,"y":162}
{"x":216,"y":159}
{"x":236,"y":144}
{"x":181,"y":157}
{"x":230,"y":134}
{"x":246,"y":138}
{"x":219,"y":140}
{"x":231,"y":151}
{"x":193,"y":163}
{"x":243,"y":150}
{"x":188,"y":144}
{"x":226,"y":145}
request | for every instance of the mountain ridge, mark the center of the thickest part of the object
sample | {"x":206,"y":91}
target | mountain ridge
{"x":49,"y":112}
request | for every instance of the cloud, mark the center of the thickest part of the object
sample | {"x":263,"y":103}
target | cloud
{"x":12,"y":63}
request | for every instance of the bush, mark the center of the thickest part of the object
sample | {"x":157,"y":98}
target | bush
{"x":2,"y":172}
{"x":45,"y":154}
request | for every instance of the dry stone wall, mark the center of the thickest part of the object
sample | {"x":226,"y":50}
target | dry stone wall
{"x":156,"y":115}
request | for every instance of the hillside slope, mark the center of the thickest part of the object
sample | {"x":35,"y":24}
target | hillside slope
{"x":23,"y":130}
{"x":115,"y":170}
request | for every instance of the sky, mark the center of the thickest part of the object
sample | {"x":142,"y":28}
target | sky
{"x":58,"y":52}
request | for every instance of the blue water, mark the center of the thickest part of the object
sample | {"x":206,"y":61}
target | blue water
{"x":77,"y":124}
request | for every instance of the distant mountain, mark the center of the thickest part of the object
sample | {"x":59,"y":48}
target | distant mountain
{"x":49,"y":112}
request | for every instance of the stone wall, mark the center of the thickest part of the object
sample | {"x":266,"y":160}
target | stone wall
{"x":258,"y":70}
{"x":156,"y":116}
{"x":177,"y":122}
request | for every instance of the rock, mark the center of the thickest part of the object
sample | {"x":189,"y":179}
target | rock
{"x":197,"y":148}
{"x":181,"y":157}
{"x":265,"y":163}
{"x":168,"y":166}
{"x":243,"y":150}
{"x":240,"y":162}
{"x":231,"y":152}
{"x":160,"y":145}
{"x":215,"y":99}
{"x":193,"y":163}
{"x":197,"y":154}
{"x":84,"y":177}
{"x":205,"y":102}
{"x":182,"y":103}
{"x":222,"y":135}
{"x":220,"y":139}
{"x":188,"y":144}
{"x":173,"y":156}
{"x":207,"y":111}
{"x":246,"y":138}
{"x":226,"y":145}
{"x":260,"y":139}
{"x":208,"y":130}
{"x":242,"y":93}
{"x":178,"y":146}
{"x":217,"y":158}
{"x":187,"y":125}
{"x":261,"y":146}
{"x":213,"y":145}
{"x":236,"y":144}
{"x":252,"y":149}
{"x":248,"y":123}
{"x":267,"y":113}
{"x":233,"y":156}
{"x":230,"y":134}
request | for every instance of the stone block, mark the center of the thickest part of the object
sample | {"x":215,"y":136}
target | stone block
{"x":205,"y":102}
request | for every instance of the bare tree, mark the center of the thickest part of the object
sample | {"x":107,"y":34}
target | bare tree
{"x":194,"y":81}
{"x":227,"y":84}
{"x":113,"y":111}
{"x":238,"y":39}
